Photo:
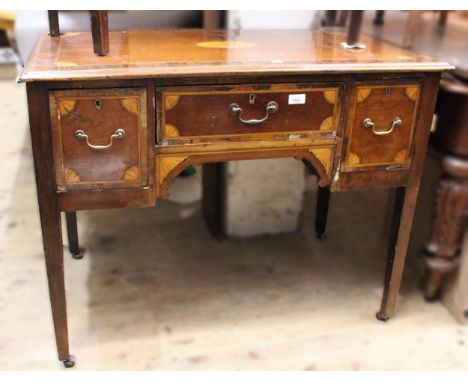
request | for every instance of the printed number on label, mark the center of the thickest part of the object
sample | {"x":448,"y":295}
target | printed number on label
{"x":297,"y":99}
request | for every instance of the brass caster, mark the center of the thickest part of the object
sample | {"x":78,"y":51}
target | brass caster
{"x":69,"y":362}
{"x":381,"y":317}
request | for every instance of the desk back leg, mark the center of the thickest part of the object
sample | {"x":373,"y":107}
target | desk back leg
{"x":321,"y":214}
{"x":214,"y":198}
{"x":72,"y":234}
{"x":49,"y":213}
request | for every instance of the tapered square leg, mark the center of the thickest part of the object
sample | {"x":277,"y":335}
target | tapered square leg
{"x":405,"y":205}
{"x":53,"y":248}
{"x":49,"y":214}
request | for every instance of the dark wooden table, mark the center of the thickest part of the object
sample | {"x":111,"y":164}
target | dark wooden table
{"x":114,"y":131}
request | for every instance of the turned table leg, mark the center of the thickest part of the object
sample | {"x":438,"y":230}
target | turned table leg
{"x":450,"y":213}
{"x":49,"y":214}
{"x":72,"y":234}
{"x":321,"y":215}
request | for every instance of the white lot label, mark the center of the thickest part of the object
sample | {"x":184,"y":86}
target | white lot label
{"x":296,"y":99}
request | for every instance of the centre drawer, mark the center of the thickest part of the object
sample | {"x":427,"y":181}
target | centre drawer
{"x":219,"y":112}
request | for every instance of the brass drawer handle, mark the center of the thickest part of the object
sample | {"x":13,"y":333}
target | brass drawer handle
{"x":370,"y":125}
{"x":235,"y":109}
{"x":118,"y":134}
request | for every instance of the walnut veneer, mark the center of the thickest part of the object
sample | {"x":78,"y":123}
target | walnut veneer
{"x":114,"y":131}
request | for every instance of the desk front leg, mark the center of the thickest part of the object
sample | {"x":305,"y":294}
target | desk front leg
{"x":405,"y":203}
{"x":49,"y":213}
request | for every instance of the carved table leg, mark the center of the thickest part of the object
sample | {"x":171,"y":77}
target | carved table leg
{"x":321,"y":215}
{"x":49,"y":214}
{"x":450,"y":212}
{"x":72,"y":234}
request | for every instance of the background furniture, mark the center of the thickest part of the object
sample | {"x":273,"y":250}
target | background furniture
{"x":340,"y":18}
{"x":451,"y":204}
{"x":8,"y":60}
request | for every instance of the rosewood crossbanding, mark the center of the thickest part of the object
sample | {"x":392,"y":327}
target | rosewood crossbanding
{"x":114,"y":131}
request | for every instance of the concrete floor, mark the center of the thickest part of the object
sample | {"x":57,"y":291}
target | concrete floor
{"x":155,"y":291}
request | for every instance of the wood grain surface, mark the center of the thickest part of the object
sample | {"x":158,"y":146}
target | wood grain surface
{"x":182,"y":52}
{"x":381,"y":103}
{"x":99,"y":114}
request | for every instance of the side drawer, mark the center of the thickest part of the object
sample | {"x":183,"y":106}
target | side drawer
{"x":380,"y":125}
{"x":99,"y":138}
{"x":242,"y":111}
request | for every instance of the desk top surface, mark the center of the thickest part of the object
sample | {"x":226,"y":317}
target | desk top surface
{"x":198,"y":52}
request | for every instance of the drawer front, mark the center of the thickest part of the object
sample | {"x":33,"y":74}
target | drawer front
{"x":99,"y":138}
{"x":277,"y":110}
{"x":380,"y":125}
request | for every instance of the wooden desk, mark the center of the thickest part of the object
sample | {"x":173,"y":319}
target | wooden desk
{"x":114,"y":131}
